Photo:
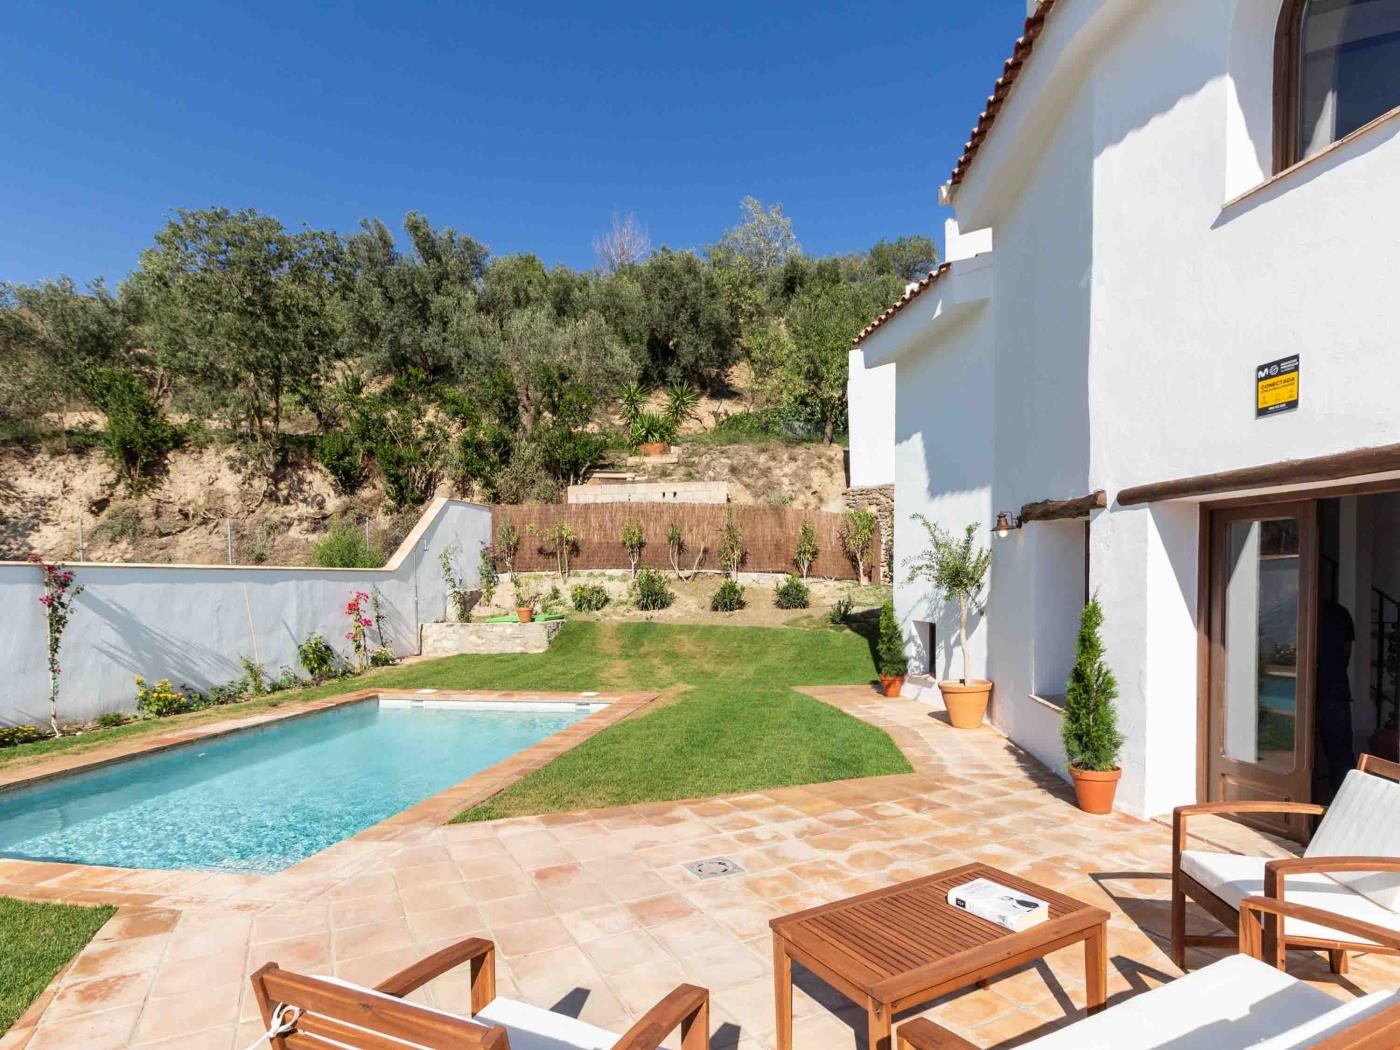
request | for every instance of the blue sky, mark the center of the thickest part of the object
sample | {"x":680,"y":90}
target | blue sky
{"x":525,"y":125}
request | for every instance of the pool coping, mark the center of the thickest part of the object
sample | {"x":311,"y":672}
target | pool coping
{"x":77,"y":883}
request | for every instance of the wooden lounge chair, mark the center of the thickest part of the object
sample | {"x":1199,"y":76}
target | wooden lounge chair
{"x":324,"y":1013}
{"x":1238,"y":1003}
{"x":1329,"y":876}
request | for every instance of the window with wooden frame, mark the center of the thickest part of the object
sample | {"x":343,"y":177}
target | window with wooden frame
{"x":1336,"y":69}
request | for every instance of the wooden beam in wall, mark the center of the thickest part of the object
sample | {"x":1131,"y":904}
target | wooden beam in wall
{"x":1380,"y":459}
{"x":1061,"y":509}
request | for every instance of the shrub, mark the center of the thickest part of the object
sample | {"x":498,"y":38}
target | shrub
{"x":552,"y":603}
{"x":112,"y":719}
{"x":792,"y":594}
{"x":589,"y":597}
{"x":650,"y":591}
{"x":344,"y":547}
{"x":254,"y":675}
{"x":650,"y":428}
{"x":732,"y":551}
{"x":858,"y":537}
{"x":160,"y":700}
{"x":137,"y":435}
{"x":317,"y":656}
{"x":806,"y":551}
{"x":507,"y":545}
{"x":13,"y":736}
{"x":633,"y":540}
{"x":1090,"y":724}
{"x":462,"y":599}
{"x":344,"y":459}
{"x":383,"y":656}
{"x":889,"y":653}
{"x":220,"y":695}
{"x":728,"y":598}
{"x":486,"y":568}
{"x":841,"y":610}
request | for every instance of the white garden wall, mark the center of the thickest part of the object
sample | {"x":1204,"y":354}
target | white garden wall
{"x":192,"y":623}
{"x":870,"y":400}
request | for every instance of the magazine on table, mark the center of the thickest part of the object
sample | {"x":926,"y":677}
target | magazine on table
{"x":999,"y":904}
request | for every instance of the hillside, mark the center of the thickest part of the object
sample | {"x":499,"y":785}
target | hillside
{"x":182,"y":517}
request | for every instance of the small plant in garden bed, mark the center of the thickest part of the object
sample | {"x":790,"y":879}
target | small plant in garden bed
{"x":589,"y":597}
{"x":490,"y":577}
{"x":633,"y":540}
{"x":728,"y":598}
{"x":841,"y":608}
{"x":651,"y":592}
{"x":858,"y":539}
{"x":806,"y":550}
{"x":552,"y":603}
{"x":112,"y":719}
{"x":13,"y":736}
{"x":160,"y":700}
{"x":792,"y":594}
{"x":732,"y":551}
{"x":57,"y":600}
{"x":462,"y":599}
{"x":317,"y":656}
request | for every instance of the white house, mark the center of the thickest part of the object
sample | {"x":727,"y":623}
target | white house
{"x":1166,"y":342}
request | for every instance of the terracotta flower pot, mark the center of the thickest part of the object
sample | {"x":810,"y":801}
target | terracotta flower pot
{"x":653,"y":448}
{"x":966,"y":703}
{"x":1095,"y":790}
{"x":892,"y":683}
{"x":525,"y":614}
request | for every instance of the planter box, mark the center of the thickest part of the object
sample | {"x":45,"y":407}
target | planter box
{"x":452,"y":639}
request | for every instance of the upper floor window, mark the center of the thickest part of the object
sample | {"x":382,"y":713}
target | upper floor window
{"x":1337,"y":69}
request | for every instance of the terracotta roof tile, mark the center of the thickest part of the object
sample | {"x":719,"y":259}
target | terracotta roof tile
{"x":910,"y":294}
{"x":1025,"y":44}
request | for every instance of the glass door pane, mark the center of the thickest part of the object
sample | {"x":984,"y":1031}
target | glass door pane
{"x":1263,"y":578}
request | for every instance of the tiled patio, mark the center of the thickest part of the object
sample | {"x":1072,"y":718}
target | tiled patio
{"x":592,"y":911}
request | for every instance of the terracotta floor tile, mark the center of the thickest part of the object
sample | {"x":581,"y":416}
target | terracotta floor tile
{"x":652,"y":911}
{"x":531,"y":936}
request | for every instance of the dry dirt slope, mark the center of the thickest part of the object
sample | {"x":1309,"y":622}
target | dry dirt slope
{"x":184,"y":517}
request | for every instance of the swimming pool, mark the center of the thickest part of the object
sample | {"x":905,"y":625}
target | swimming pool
{"x":261,"y":799}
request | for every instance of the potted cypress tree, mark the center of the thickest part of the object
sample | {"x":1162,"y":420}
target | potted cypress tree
{"x":957,"y":568}
{"x":893,"y":665}
{"x":1090,"y":727}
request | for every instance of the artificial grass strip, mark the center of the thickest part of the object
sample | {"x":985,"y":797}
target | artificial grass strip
{"x":38,"y":940}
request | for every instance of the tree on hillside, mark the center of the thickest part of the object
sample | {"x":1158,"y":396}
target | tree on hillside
{"x":687,"y":329}
{"x":763,"y":238}
{"x":908,"y":258}
{"x":626,"y":243}
{"x":803,"y":358}
{"x":241,"y":311}
{"x":410,"y":309}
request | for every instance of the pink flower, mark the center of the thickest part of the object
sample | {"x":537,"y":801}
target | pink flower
{"x":366,"y":622}
{"x":46,"y":600}
{"x":350,"y":635}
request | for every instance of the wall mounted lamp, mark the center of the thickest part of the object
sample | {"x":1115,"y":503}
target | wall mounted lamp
{"x":1005,"y":523}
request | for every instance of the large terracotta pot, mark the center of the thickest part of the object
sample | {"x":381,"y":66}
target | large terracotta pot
{"x":1095,"y":790}
{"x":653,"y":448}
{"x":966,"y":703}
{"x":525,"y":614}
{"x":891,"y":683}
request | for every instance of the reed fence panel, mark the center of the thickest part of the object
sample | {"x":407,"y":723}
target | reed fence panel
{"x":770,"y":536}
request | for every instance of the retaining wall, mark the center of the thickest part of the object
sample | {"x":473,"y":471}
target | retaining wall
{"x":192,"y":623}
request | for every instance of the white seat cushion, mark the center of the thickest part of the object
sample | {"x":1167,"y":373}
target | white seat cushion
{"x":534,"y":1028}
{"x":1232,"y":878}
{"x":1363,"y":821}
{"x":1233,"y":1004}
{"x":530,"y":1027}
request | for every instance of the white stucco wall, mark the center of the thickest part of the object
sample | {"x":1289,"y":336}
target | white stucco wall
{"x":1134,"y":297}
{"x":192,"y":623}
{"x":870,"y":400}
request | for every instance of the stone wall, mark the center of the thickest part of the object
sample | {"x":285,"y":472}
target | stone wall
{"x":452,"y":639}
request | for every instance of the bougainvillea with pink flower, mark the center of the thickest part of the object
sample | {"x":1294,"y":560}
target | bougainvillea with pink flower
{"x":360,"y":623}
{"x":60,"y":592}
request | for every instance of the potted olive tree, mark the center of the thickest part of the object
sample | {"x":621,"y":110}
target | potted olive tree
{"x":957,"y":568}
{"x":1090,"y":727}
{"x":893,"y":665}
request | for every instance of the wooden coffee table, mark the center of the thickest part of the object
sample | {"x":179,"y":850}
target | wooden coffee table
{"x":905,"y":945}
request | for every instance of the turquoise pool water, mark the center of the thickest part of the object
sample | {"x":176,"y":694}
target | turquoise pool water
{"x":262,"y":799}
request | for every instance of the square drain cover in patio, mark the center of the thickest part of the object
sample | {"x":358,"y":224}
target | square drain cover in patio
{"x":714,"y":868}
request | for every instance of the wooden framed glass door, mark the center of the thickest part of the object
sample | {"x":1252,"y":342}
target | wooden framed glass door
{"x":1262,"y":637}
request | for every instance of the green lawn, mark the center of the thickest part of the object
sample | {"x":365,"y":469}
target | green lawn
{"x":38,"y":940}
{"x":728,"y":722}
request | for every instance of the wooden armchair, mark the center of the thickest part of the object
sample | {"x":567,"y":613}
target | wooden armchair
{"x":324,"y":1013}
{"x":1330,"y":876}
{"x":1238,"y":1003}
